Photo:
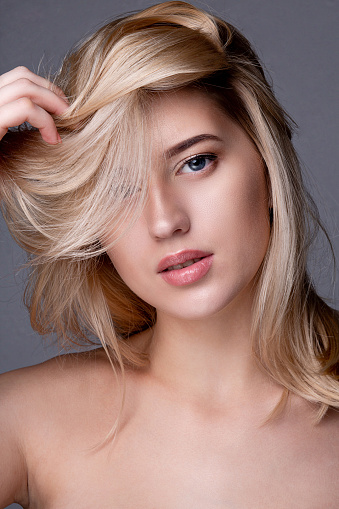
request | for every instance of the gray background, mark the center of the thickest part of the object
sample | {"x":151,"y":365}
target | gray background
{"x":298,"y":43}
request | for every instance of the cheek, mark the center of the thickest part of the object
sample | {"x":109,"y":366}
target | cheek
{"x":122,"y":257}
{"x":253,"y":219}
{"x":248,"y":233}
{"x":240,"y":203}
{"x":125,"y":255}
{"x":254,"y":203}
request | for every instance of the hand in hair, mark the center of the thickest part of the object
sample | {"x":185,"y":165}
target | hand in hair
{"x":26,"y":97}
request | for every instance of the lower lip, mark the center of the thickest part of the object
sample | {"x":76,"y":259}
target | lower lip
{"x":188,"y":275}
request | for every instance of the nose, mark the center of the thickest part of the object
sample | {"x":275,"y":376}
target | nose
{"x":166,"y":213}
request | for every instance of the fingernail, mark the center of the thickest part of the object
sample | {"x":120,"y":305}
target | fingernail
{"x":59,"y":140}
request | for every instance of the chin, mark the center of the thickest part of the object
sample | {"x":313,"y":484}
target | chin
{"x":210,"y":305}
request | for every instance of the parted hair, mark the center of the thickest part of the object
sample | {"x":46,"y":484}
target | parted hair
{"x":61,"y":201}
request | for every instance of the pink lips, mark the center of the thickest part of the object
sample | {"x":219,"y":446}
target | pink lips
{"x":186,"y":275}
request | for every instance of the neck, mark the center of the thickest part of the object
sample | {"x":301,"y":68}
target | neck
{"x":209,"y":359}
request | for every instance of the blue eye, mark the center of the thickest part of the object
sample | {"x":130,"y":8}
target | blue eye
{"x":197,"y":163}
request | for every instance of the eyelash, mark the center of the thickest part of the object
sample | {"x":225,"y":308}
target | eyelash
{"x":208,"y":157}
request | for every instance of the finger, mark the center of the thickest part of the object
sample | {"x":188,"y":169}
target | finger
{"x":23,"y":72}
{"x":25,"y":110}
{"x":41,"y":96}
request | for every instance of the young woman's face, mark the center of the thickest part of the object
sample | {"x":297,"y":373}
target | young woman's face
{"x":207,"y":208}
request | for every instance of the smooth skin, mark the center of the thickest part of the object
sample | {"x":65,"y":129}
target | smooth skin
{"x":192,"y":432}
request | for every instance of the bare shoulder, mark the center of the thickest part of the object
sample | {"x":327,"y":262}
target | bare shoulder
{"x":63,"y":380}
{"x":331,"y":423}
{"x":59,"y":381}
{"x":45,"y":405}
{"x":64,"y":394}
{"x":53,"y":376}
{"x":13,"y":471}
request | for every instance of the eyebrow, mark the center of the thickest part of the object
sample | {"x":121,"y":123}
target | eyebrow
{"x":183,"y":145}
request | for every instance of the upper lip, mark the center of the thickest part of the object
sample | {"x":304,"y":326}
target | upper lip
{"x":180,"y":257}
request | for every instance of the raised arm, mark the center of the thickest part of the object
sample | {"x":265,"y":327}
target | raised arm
{"x":26,"y":97}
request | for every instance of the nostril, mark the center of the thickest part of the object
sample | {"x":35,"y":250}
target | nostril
{"x":178,"y":230}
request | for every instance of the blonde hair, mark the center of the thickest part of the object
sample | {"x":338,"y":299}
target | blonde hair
{"x":61,"y":201}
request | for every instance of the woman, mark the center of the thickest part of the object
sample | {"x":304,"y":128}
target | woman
{"x":163,"y":209}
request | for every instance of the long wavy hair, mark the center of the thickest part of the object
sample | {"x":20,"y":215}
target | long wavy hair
{"x":60,"y":201}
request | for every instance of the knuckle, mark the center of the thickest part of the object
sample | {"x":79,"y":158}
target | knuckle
{"x":25,"y":103}
{"x":14,"y":74}
{"x":24,"y":82}
{"x":21,"y":69}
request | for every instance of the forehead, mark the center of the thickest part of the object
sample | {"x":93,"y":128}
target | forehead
{"x":180,"y":111}
{"x":190,"y":113}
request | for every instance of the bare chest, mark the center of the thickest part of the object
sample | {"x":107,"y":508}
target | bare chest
{"x":182,"y":465}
